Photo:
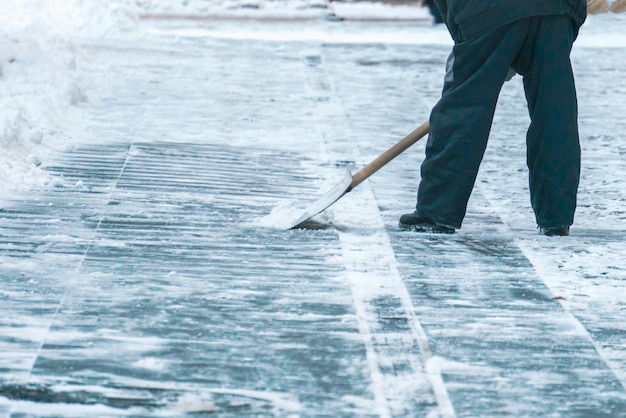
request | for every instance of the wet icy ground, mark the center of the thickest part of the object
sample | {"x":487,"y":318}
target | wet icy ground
{"x":156,"y":280}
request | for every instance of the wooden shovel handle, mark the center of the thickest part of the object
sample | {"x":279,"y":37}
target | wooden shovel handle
{"x":389,"y":155}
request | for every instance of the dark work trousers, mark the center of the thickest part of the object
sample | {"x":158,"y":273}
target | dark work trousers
{"x":538,"y":48}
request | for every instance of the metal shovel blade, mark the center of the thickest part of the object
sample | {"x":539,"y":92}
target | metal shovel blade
{"x":330,"y":197}
{"x":349,"y":182}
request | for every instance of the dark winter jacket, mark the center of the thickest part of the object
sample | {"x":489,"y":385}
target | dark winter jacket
{"x":467,"y":19}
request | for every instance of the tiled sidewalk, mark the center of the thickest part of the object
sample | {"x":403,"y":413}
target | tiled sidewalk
{"x":144,"y":285}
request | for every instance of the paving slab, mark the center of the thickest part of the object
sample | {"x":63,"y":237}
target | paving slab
{"x":150,"y":282}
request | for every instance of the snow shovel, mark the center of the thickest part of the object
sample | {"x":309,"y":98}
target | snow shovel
{"x":349,"y":181}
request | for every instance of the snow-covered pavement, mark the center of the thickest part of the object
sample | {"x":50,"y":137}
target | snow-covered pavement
{"x":145,"y":270}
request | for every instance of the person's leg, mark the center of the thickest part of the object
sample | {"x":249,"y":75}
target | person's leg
{"x":461,"y":121}
{"x":552,"y":140}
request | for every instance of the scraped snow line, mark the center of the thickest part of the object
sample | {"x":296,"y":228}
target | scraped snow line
{"x":403,"y":373}
{"x":546,"y":265}
{"x":373,"y":277}
{"x":77,"y":269}
{"x":554,"y":280}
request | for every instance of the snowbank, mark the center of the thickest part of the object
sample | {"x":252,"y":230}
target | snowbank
{"x":40,"y":80}
{"x":36,"y":92}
